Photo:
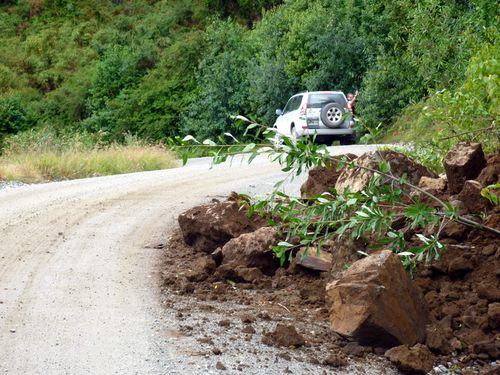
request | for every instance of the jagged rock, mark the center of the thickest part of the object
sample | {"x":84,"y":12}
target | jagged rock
{"x":322,"y":179}
{"x":471,"y":197}
{"x":311,"y":259}
{"x":239,"y":274}
{"x":487,"y":292}
{"x":494,"y":315}
{"x":464,"y":162}
{"x":357,"y":179}
{"x":375,"y":303}
{"x":210,"y":226}
{"x":345,"y":252}
{"x":438,"y":339}
{"x":490,"y":348}
{"x":490,"y":174}
{"x":201,"y":269}
{"x":432,"y":184}
{"x":455,"y":230}
{"x":284,"y":335}
{"x":414,"y":360}
{"x":459,"y":266}
{"x":253,"y":250}
{"x":336,"y":359}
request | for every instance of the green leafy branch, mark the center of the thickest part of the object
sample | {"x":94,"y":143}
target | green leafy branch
{"x":367,"y":215}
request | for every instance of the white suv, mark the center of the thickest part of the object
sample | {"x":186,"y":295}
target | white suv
{"x":320,"y":113}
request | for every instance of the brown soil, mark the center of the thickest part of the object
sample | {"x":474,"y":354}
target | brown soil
{"x":287,"y":310}
{"x":461,"y":291}
{"x":284,"y":314}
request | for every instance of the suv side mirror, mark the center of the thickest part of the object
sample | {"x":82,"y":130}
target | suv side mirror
{"x":279,"y":112}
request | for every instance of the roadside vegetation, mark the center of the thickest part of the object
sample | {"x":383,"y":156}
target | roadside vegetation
{"x":41,"y":155}
{"x":166,"y":68}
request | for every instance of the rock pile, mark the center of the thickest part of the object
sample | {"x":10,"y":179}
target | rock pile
{"x":450,"y":310}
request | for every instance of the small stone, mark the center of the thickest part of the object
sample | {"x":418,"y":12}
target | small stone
{"x":460,"y":266}
{"x":487,"y":292}
{"x":417,"y":359}
{"x":354,"y":349}
{"x":284,"y":335}
{"x":494,"y":315}
{"x":12,"y":330}
{"x":489,"y":250}
{"x":441,"y":369}
{"x":248,"y":329}
{"x":336,"y":359}
{"x":247,"y":318}
{"x":432,"y":184}
{"x":314,"y":260}
{"x":455,"y":230}
{"x":225,"y":323}
{"x":216,"y":351}
{"x":220,"y":366}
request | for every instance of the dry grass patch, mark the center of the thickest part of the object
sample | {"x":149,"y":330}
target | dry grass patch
{"x":70,"y":164}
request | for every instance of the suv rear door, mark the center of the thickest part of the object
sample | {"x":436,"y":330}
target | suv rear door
{"x":316,"y":101}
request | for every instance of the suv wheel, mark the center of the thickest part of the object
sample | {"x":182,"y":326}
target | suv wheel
{"x":332,"y":115}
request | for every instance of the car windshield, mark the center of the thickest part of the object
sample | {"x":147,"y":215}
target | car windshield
{"x":319,"y":100}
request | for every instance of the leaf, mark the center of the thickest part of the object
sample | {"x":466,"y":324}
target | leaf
{"x":351,"y":202}
{"x":249,"y":147}
{"x":405,"y":254}
{"x":362,"y":214}
{"x":189,"y":138}
{"x":240,"y":117}
{"x":231,"y":136}
{"x":384,"y":166}
{"x":209,"y":142}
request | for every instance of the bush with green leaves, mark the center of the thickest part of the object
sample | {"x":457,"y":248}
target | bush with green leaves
{"x":169,"y":67}
{"x":367,"y":215}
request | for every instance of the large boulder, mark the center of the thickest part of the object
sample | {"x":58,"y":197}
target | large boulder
{"x":322,"y":179}
{"x":357,"y":179}
{"x":376,"y":303}
{"x":253,"y":250}
{"x":210,"y":226}
{"x":464,"y":162}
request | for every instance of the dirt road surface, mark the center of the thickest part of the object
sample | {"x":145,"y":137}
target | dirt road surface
{"x":79,"y":290}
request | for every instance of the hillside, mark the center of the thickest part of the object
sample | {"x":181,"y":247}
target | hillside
{"x":166,"y":68}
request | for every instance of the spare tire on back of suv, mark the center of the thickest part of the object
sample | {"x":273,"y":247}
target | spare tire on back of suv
{"x":332,"y":115}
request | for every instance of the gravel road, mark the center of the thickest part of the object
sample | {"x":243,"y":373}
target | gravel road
{"x":79,"y":290}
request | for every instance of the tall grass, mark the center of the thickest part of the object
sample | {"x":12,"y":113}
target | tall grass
{"x":42,"y":155}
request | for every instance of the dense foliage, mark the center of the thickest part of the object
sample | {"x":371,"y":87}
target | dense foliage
{"x":166,"y":67}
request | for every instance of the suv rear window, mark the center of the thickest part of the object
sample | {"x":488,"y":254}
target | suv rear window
{"x":319,"y":100}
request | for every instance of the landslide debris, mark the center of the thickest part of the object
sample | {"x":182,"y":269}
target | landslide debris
{"x":446,"y":316}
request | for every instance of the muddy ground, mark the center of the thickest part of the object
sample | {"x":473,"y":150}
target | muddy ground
{"x":243,"y":320}
{"x":231,"y":321}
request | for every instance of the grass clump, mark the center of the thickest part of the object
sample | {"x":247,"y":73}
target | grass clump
{"x":42,"y":155}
